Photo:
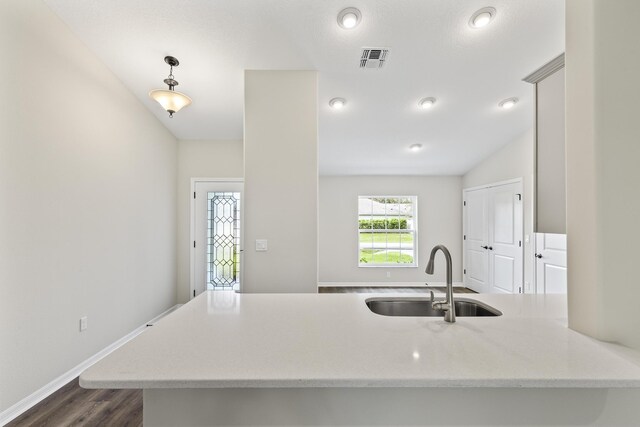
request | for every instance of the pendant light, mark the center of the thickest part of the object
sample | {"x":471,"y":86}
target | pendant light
{"x":170,"y":100}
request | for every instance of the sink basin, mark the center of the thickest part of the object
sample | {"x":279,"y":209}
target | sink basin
{"x":422,"y":307}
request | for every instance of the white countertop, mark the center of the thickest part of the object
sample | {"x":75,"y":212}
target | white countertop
{"x":224,"y":339}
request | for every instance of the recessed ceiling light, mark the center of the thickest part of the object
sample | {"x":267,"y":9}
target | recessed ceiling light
{"x":415,"y":147}
{"x":349,"y":18}
{"x":426,"y":103}
{"x":482,"y":17}
{"x":337,"y":103}
{"x":508,"y":103}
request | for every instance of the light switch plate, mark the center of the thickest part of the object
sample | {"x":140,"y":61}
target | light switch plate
{"x":261,"y":245}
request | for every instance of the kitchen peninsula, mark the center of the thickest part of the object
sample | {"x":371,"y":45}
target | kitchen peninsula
{"x":325,"y":359}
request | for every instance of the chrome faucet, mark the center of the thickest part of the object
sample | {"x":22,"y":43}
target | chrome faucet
{"x":448,"y":304}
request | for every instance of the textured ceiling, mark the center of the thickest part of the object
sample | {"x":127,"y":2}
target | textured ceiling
{"x":433,"y":52}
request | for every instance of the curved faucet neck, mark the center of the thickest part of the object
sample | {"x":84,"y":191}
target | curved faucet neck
{"x":450,"y":313}
{"x":447,"y":256}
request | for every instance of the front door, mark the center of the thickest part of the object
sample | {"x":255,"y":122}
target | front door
{"x":217,"y":244}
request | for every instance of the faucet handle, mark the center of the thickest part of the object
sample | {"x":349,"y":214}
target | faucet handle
{"x":432,"y":296}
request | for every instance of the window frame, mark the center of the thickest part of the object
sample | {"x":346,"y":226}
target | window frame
{"x":414,"y":231}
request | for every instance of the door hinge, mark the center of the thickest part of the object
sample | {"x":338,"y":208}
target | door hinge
{"x":464,"y":237}
{"x":519,"y":196}
{"x":520,"y":289}
{"x":519,"y":243}
{"x":194,"y":243}
{"x":464,"y":203}
{"x":464,"y":271}
{"x":194,"y":292}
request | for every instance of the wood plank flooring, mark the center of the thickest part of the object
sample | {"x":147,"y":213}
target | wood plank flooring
{"x":73,"y":405}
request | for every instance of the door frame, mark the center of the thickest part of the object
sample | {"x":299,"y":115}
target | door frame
{"x":192,"y":228}
{"x":520,"y":181}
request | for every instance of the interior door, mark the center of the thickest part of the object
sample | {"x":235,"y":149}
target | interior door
{"x":475,"y":240}
{"x":551,"y":263}
{"x":217,"y":239}
{"x":505,"y":238}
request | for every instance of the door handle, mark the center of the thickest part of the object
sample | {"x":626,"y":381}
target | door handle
{"x":538,"y":256}
{"x":484,"y":247}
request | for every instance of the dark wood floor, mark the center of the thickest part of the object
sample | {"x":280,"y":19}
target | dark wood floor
{"x":76,"y":406}
{"x":73,"y":405}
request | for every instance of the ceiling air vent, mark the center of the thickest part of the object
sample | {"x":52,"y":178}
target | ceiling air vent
{"x":373,"y":57}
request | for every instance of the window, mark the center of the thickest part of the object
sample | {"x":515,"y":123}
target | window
{"x":387,"y":231}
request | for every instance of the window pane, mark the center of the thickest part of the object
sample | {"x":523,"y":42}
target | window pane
{"x":379,"y":257}
{"x":407,"y":256}
{"x":407,"y":240}
{"x":366,"y":256}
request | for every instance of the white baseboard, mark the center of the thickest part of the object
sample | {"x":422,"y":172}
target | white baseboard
{"x":39,"y":395}
{"x":385,"y":284}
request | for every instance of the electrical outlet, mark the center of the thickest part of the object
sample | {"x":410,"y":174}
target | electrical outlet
{"x":83,"y":323}
{"x":388,"y":274}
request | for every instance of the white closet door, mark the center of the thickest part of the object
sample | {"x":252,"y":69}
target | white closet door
{"x":505,"y":238}
{"x":475,"y":243}
{"x":551,"y":263}
{"x":493,"y":229}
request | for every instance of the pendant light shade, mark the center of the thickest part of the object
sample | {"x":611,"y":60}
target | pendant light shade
{"x":169,"y":99}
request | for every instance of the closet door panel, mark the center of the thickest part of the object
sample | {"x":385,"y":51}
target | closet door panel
{"x":505,"y":234}
{"x":503,"y":215}
{"x":503,"y":274}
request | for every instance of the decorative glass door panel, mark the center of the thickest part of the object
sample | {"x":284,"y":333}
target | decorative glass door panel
{"x":223,"y":240}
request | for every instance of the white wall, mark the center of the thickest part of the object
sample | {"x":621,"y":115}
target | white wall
{"x":603,"y":153}
{"x":439,"y":222}
{"x":515,"y":160}
{"x":200,"y":159}
{"x":87,"y":204}
{"x":281,"y":181}
{"x":551,"y":200}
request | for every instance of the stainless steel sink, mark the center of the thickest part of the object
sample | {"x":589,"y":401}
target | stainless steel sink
{"x":422,"y":307}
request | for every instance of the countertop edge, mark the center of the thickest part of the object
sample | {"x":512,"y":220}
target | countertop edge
{"x":391,"y":383}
